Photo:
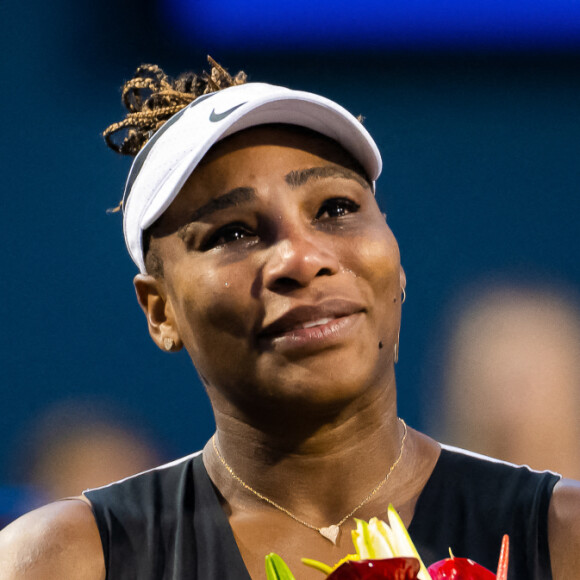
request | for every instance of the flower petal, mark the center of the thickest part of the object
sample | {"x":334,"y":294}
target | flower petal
{"x":390,"y":569}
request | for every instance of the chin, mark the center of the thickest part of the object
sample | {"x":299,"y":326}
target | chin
{"x":326,"y":389}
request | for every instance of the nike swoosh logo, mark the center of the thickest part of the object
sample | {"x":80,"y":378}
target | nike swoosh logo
{"x":216,"y":117}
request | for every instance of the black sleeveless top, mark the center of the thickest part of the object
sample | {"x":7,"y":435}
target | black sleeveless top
{"x":168,"y":524}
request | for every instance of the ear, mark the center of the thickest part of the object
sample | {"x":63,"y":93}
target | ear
{"x":158,"y":311}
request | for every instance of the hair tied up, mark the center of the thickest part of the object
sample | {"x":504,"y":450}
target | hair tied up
{"x":151,"y":98}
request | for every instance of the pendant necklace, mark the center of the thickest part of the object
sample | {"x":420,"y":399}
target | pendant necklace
{"x":329,"y":532}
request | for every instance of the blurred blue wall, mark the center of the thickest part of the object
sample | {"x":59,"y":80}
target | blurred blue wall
{"x":481,"y":180}
{"x":375,"y":24}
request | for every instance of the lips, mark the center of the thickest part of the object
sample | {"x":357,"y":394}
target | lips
{"x":310,"y":316}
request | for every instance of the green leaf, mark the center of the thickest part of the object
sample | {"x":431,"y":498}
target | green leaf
{"x":276,"y":568}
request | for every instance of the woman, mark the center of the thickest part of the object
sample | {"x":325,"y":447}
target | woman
{"x":262,"y":251}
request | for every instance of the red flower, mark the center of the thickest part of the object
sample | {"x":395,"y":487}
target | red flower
{"x":459,"y":569}
{"x":386,"y":569}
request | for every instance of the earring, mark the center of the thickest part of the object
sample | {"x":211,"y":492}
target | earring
{"x":168,"y":343}
{"x":404,"y":296}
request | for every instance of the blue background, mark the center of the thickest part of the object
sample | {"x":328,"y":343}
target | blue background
{"x":375,"y":24}
{"x":481,"y":145}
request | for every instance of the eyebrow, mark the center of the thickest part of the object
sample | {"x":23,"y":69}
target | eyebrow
{"x":230,"y":199}
{"x":302,"y":176}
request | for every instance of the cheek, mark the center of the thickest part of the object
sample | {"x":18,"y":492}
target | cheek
{"x":213,"y":311}
{"x":378,"y":261}
{"x":379,"y":270}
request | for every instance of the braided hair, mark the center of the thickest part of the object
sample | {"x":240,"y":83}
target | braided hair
{"x":151,"y":98}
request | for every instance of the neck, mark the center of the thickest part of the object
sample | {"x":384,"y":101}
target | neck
{"x":318,"y":469}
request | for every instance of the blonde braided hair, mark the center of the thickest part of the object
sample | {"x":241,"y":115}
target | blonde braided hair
{"x":151,"y":98}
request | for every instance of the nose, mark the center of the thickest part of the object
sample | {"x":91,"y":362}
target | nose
{"x":298,"y":258}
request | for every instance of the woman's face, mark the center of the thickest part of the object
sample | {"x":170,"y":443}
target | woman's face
{"x":280,"y":275}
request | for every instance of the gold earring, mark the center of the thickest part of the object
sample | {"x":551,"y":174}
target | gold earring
{"x":168,"y":343}
{"x":404,"y":296}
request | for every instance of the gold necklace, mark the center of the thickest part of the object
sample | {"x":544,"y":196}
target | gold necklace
{"x":329,"y":532}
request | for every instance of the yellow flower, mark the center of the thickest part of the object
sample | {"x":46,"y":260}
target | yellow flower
{"x":377,"y":540}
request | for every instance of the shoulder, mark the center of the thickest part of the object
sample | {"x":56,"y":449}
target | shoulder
{"x":477,"y":499}
{"x":139,"y":493}
{"x":166,"y":475}
{"x":487,"y":483}
{"x":472,"y":468}
{"x":458,"y":458}
{"x":564,"y":529}
{"x":142,"y":519}
{"x":59,"y":540}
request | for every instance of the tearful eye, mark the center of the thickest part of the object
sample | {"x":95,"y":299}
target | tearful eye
{"x":336,"y":208}
{"x":229,"y":234}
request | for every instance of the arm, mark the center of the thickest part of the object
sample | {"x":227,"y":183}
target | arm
{"x":564,"y":530}
{"x":60,"y":540}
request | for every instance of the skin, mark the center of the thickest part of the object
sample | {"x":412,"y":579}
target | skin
{"x":307,"y":231}
{"x":298,"y":227}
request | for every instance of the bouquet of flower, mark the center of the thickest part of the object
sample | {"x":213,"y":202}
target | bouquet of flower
{"x":386,"y":552}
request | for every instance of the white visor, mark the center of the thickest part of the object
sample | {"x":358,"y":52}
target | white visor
{"x":170,"y":156}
